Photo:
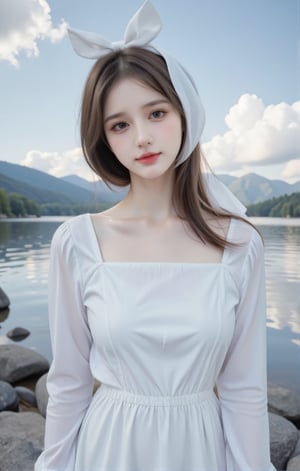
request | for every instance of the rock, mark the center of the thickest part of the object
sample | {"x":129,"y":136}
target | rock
{"x":296,"y":451}
{"x":18,"y":362}
{"x":4,"y":314}
{"x":283,"y":439}
{"x":8,"y":397}
{"x":4,"y":300}
{"x":283,"y":402}
{"x":18,"y":333}
{"x":42,"y":394}
{"x":26,"y":395}
{"x":294,"y":464}
{"x":21,"y":440}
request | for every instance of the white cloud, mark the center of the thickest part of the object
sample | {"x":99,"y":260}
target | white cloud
{"x":257,"y":136}
{"x":291,"y":171}
{"x":22,"y":24}
{"x":69,"y":162}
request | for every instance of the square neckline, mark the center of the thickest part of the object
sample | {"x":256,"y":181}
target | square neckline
{"x":100,"y":258}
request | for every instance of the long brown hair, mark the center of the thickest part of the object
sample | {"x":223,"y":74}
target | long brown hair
{"x":190,"y":198}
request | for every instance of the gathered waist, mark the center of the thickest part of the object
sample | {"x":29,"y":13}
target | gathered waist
{"x":143,"y":399}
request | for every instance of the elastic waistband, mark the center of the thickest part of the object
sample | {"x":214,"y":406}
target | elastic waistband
{"x":180,"y":400}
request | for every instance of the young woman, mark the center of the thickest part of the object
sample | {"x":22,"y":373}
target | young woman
{"x":161,"y":297}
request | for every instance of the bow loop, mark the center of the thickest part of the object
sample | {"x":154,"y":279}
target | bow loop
{"x":143,"y":27}
{"x":89,"y":45}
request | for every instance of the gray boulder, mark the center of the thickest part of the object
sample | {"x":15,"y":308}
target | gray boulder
{"x":21,"y":440}
{"x":283,"y":439}
{"x":18,"y":362}
{"x":26,"y":395}
{"x":296,"y":451}
{"x":4,"y":300}
{"x":294,"y":464}
{"x":8,"y":397}
{"x":42,"y":394}
{"x":283,"y":402}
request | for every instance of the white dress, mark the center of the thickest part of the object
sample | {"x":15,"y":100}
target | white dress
{"x":158,"y":336}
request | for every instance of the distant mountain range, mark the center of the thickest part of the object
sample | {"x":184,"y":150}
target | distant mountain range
{"x":250,"y":188}
{"x":44,"y":188}
{"x":253,"y":188}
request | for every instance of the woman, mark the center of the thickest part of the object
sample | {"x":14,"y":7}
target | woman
{"x":161,"y":297}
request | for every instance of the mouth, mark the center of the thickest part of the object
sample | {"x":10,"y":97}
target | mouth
{"x":148,"y":157}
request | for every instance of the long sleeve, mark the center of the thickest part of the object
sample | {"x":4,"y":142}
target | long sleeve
{"x":242,"y":383}
{"x":70,"y":382}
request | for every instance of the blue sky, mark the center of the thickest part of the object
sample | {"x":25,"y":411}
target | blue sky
{"x":244,"y":56}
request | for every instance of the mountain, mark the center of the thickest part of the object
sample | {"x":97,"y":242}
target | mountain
{"x":99,"y":188}
{"x":44,"y":188}
{"x":250,"y":188}
{"x":75,"y":180}
{"x":253,"y":188}
{"x":40,"y":186}
{"x":39,"y":196}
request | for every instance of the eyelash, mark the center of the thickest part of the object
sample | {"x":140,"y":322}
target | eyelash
{"x":161,"y":113}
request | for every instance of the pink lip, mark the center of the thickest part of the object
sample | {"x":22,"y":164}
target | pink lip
{"x":148,"y":157}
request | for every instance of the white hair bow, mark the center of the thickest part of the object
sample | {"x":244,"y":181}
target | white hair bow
{"x":143,"y":27}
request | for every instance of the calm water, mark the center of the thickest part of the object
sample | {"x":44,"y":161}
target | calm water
{"x":24,"y":253}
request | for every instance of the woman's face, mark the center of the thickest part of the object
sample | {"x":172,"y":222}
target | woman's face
{"x":142,"y":128}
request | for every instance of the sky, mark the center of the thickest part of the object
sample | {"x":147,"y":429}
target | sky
{"x":243,"y":55}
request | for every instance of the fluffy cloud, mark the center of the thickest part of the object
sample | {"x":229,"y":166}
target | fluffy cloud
{"x":291,"y":172}
{"x":22,"y":23}
{"x":257,"y":135}
{"x":70,"y":162}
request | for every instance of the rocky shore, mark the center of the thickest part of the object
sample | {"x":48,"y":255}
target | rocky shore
{"x":23,"y":402}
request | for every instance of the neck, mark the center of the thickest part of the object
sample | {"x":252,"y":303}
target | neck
{"x":151,"y":199}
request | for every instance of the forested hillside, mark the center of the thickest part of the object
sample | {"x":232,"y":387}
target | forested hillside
{"x":283,"y":206}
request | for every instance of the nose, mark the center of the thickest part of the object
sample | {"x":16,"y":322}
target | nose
{"x":143,"y":135}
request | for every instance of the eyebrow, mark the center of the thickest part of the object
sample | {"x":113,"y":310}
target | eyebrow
{"x":147,"y":105}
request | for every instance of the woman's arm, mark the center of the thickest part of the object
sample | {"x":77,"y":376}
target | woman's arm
{"x":242,"y":384}
{"x":70,"y":382}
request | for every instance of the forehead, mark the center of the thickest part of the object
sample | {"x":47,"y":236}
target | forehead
{"x":129,"y":93}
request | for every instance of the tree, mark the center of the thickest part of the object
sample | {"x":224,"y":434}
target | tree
{"x":283,"y":206}
{"x":16,"y":204}
{"x":31,"y":208}
{"x":4,"y":203}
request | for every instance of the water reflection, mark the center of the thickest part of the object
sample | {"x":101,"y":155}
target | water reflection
{"x":24,"y":249}
{"x":282,"y":248}
{"x":24,"y":258}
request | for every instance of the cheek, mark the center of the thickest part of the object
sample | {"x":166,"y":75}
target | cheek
{"x":173,"y":130}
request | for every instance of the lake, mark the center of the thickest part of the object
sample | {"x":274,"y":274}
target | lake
{"x":24,"y":255}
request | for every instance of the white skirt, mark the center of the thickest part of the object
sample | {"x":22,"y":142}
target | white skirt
{"x":123,"y":431}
